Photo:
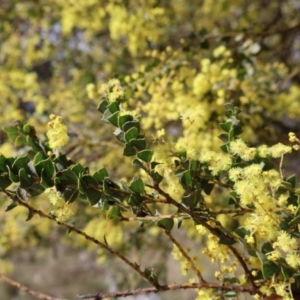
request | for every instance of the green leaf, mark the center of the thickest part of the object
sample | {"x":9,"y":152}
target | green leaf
{"x":230,"y":294}
{"x":66,"y":177}
{"x":113,"y":119}
{"x":124,"y":186}
{"x":13,"y":177}
{"x":70,"y":194}
{"x":113,"y":212}
{"x":224,"y":137}
{"x":19,"y":163}
{"x":4,"y":182}
{"x":208,"y":188}
{"x":135,"y":199}
{"x":132,"y":133}
{"x":136,"y":162}
{"x":225,"y":148}
{"x":46,"y":166}
{"x":167,"y":224}
{"x":100,"y":175}
{"x":295,"y":220}
{"x":123,"y":119}
{"x":113,"y":107}
{"x":185,"y":164}
{"x":11,"y":206}
{"x":225,"y":238}
{"x":109,"y":187}
{"x":35,"y":190}
{"x":93,"y":196}
{"x":137,"y":185}
{"x":25,"y":181}
{"x":231,"y":136}
{"x":145,"y":155}
{"x":297,"y":213}
{"x":242,"y":232}
{"x":179,"y":223}
{"x":2,"y":163}
{"x":292,"y":180}
{"x":153,"y":164}
{"x":237,"y":130}
{"x":156,"y":176}
{"x":34,"y":143}
{"x":287,"y":273}
{"x":39,"y":157}
{"x":226,"y":126}
{"x":30,"y":215}
{"x":194,"y":164}
{"x":186,"y":178}
{"x":120,"y":135}
{"x":106,"y":116}
{"x":14,"y":135}
{"x":90,"y":181}
{"x":192,"y":199}
{"x":61,"y":162}
{"x":28,"y":129}
{"x":77,"y":169}
{"x":131,"y":124}
{"x":102,"y":106}
{"x":46,"y":180}
{"x":129,"y":150}
{"x":269,"y":268}
{"x":140,"y":144}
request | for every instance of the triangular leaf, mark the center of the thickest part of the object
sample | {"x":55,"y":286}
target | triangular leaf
{"x":137,"y":185}
{"x":145,"y":155}
{"x":167,"y":224}
{"x":132,"y":133}
{"x":129,"y":150}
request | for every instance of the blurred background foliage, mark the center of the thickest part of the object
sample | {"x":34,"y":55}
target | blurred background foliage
{"x":179,"y":62}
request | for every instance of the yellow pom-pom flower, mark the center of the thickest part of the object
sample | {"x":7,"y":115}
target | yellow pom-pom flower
{"x":57,"y":132}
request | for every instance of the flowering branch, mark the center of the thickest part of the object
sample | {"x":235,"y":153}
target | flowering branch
{"x":171,"y":287}
{"x":186,"y":256}
{"x":71,"y":228}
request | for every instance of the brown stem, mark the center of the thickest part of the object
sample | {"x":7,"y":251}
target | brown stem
{"x":207,"y":226}
{"x":27,"y":290}
{"x":153,"y":218}
{"x":171,"y":287}
{"x":71,"y":228}
{"x":186,"y":256}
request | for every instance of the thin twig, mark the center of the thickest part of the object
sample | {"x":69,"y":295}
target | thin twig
{"x":27,"y":290}
{"x":171,"y":287}
{"x":153,"y":218}
{"x":186,"y":256}
{"x":71,"y":228}
{"x":198,"y":219}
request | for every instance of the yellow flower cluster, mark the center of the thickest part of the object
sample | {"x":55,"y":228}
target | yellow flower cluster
{"x":206,"y":294}
{"x":239,"y":147}
{"x":215,"y":251}
{"x":293,"y":139}
{"x":246,"y":153}
{"x":184,"y":263}
{"x":259,"y":189}
{"x":217,"y":161}
{"x":215,"y":78}
{"x":57,"y":132}
{"x":289,"y":246}
{"x":145,"y":24}
{"x":62,"y":210}
{"x":112,"y":90}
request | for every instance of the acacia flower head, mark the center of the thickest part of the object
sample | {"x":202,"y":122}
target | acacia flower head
{"x":57,"y":132}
